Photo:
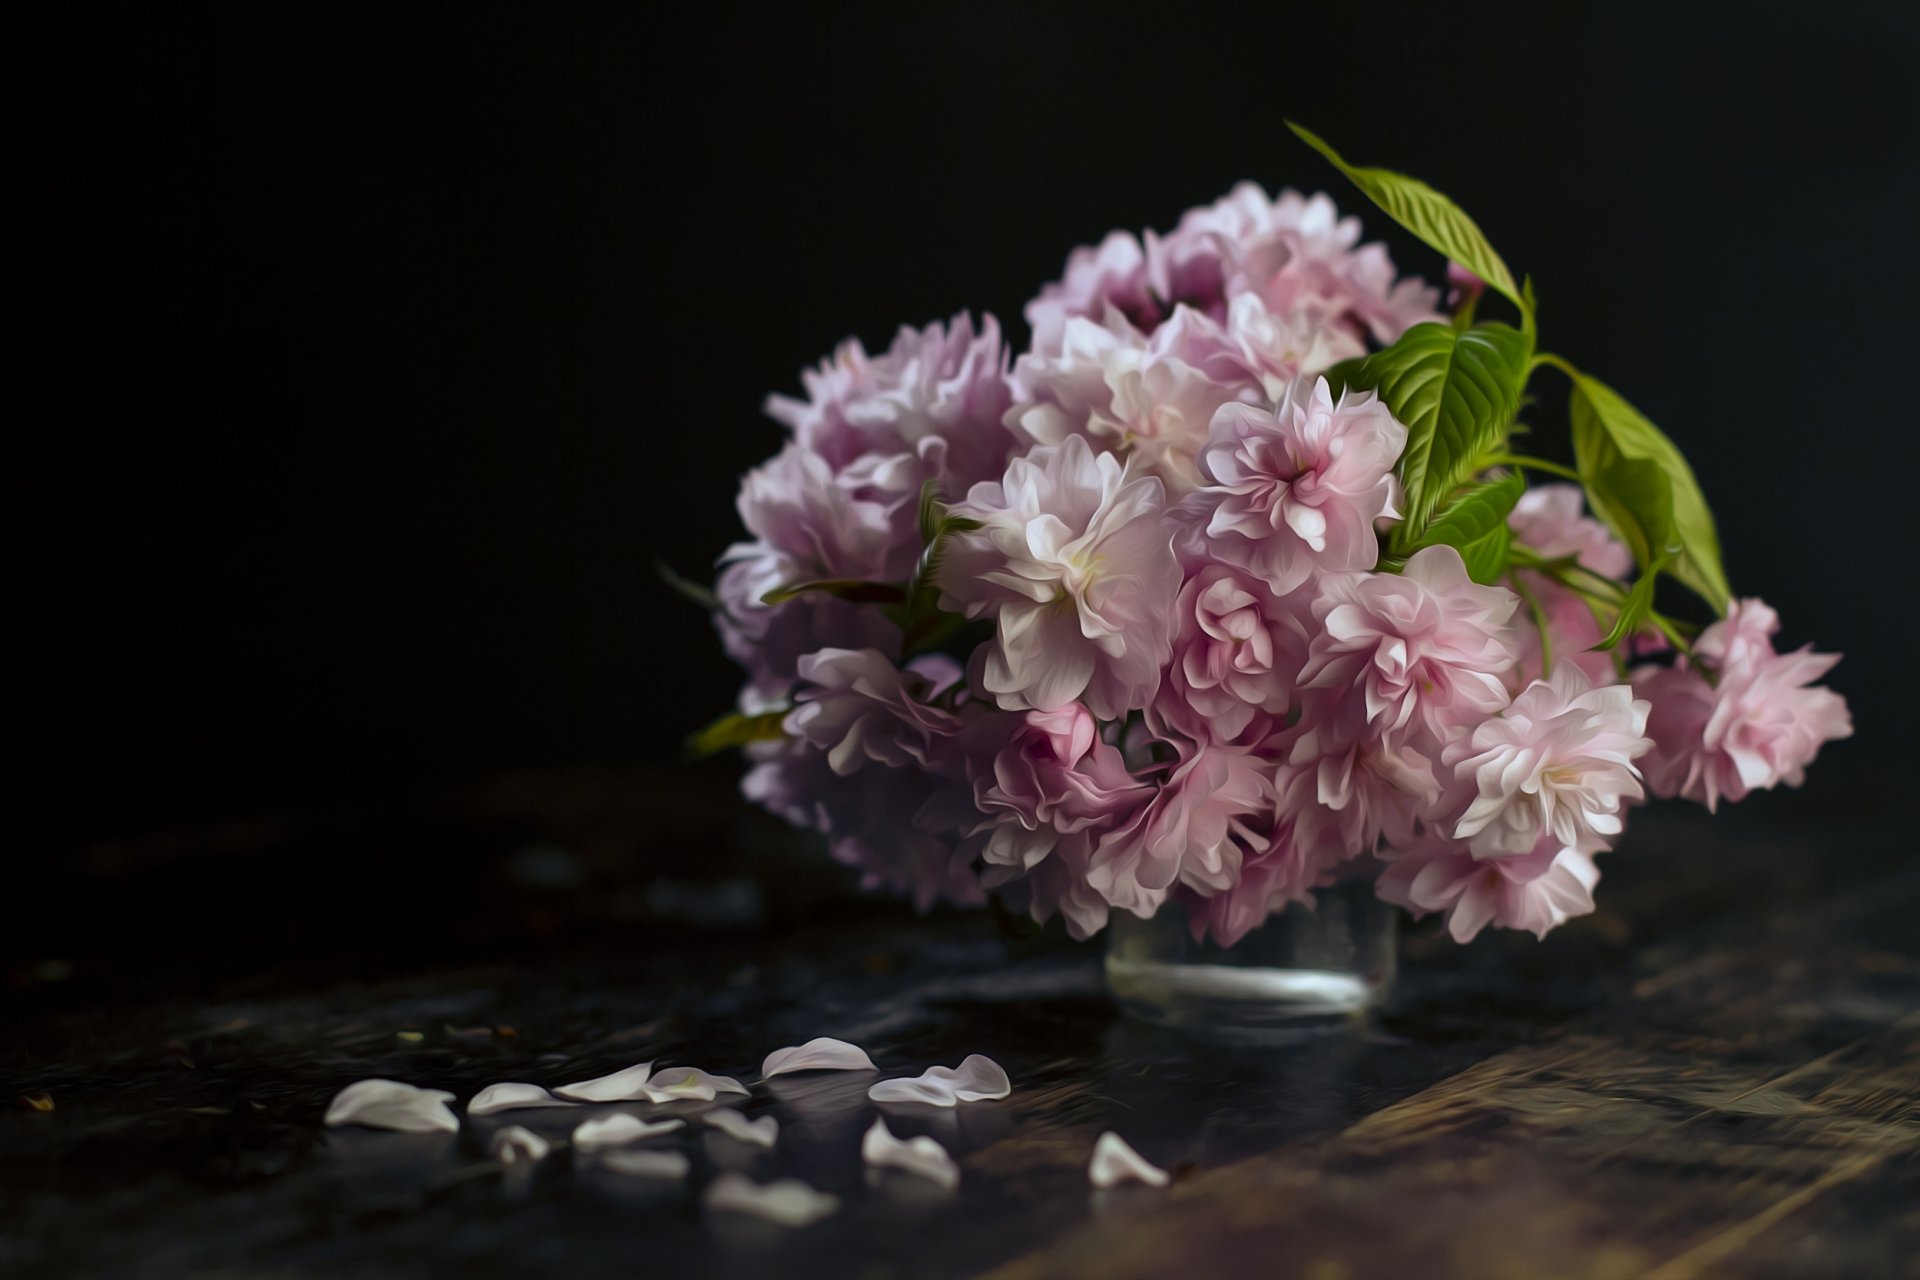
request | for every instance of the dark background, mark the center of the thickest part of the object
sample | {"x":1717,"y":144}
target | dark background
{"x":372,"y":357}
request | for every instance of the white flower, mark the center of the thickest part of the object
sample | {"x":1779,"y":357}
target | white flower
{"x":976,"y":1079}
{"x":922,"y":1155}
{"x":1074,"y":560}
{"x":823,"y":1053}
{"x":1115,"y":1162}
{"x":388,"y":1104}
{"x":787,"y":1201}
{"x":1557,"y":762}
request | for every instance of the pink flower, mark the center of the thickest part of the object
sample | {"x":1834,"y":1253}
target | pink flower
{"x":1237,"y":650}
{"x":1052,"y":778}
{"x":1055,"y":886}
{"x":770,"y":640}
{"x":858,"y":707}
{"x":1551,"y":520}
{"x":1214,"y":805}
{"x":1144,"y":398}
{"x":1556,"y":765}
{"x":1537,"y":891}
{"x":1426,"y":650}
{"x":1269,"y":880}
{"x":1348,"y":785}
{"x":1112,"y":275}
{"x":1759,"y":721}
{"x":1074,"y":561}
{"x":794,"y":505}
{"x":892,"y":825}
{"x":933,"y":402}
{"x":1297,"y":490}
{"x":1288,"y":250}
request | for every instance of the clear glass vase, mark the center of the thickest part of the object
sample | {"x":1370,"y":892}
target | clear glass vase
{"x":1306,"y":969}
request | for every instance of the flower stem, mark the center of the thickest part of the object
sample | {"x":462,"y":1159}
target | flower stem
{"x":1532,"y":464}
{"x":1539,"y":623}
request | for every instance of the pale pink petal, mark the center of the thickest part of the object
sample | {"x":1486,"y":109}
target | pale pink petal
{"x":513,"y":1097}
{"x":1114,"y":1162}
{"x":760,"y":1132}
{"x":976,"y":1079}
{"x":388,"y":1104}
{"x":628,"y":1085}
{"x":921,"y":1155}
{"x":667,"y":1166}
{"x":618,"y":1130}
{"x":823,"y":1053}
{"x":517,"y":1144}
{"x":690,"y":1084}
{"x":787,"y":1201}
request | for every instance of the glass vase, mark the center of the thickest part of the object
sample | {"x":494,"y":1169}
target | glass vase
{"x":1307,"y":969}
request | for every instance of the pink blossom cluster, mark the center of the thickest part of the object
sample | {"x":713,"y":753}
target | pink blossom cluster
{"x":1175,"y":668}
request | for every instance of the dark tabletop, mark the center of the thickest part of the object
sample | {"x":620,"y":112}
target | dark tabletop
{"x":1715,"y":1075}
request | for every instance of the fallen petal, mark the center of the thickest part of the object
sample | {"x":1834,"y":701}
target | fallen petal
{"x":976,"y":1079}
{"x":513,"y":1097}
{"x":629,"y":1085}
{"x":787,"y":1201}
{"x":821,"y":1054}
{"x":517,"y":1144}
{"x":920,"y":1155}
{"x":642,"y":1163}
{"x":1114,"y":1162}
{"x":690,"y":1084}
{"x":761,"y":1132}
{"x":388,"y":1104}
{"x":619,"y":1130}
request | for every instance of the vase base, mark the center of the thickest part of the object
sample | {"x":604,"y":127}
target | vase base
{"x":1240,"y":1003}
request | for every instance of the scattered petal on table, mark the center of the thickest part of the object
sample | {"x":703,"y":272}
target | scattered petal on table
{"x":788,"y":1201}
{"x":1115,"y":1162}
{"x":629,"y":1085}
{"x":513,"y":1097}
{"x":517,"y":1144}
{"x":388,"y":1104}
{"x":619,"y":1130}
{"x":642,"y":1163}
{"x":920,"y":1155}
{"x":761,"y":1132}
{"x":821,"y":1054}
{"x":976,"y":1079}
{"x":690,"y":1084}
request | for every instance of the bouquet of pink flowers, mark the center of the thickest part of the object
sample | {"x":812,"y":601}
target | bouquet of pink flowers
{"x":1232,"y":584}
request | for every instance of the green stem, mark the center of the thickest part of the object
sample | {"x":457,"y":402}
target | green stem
{"x":1539,"y":622}
{"x":1532,"y":464}
{"x":1553,"y":361}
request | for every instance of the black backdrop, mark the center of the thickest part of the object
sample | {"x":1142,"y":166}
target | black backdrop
{"x":372,"y":357}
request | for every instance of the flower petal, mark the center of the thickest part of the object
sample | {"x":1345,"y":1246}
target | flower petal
{"x":760,"y":1133}
{"x":619,"y":1130}
{"x":517,"y":1144}
{"x":920,"y":1155}
{"x":642,"y":1163}
{"x":629,"y":1085}
{"x":690,"y":1084}
{"x":1115,"y":1162}
{"x":513,"y":1097}
{"x":977,"y":1079}
{"x":823,"y":1053}
{"x":787,"y":1201}
{"x":388,"y":1104}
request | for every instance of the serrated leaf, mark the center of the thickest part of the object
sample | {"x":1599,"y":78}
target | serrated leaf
{"x":853,"y":589}
{"x":1456,"y":393}
{"x":1474,"y":521}
{"x":1635,"y":609}
{"x":1607,"y":431}
{"x":736,"y":729}
{"x":1438,"y":221}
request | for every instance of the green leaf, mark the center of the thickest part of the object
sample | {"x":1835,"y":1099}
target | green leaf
{"x":1653,"y":506}
{"x":1339,"y":375}
{"x":1438,"y":221}
{"x":736,"y":729}
{"x":922,"y":615}
{"x":1474,"y":521}
{"x":1456,"y":393}
{"x":685,"y":586}
{"x":854,"y":589}
{"x":1634,"y":610}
